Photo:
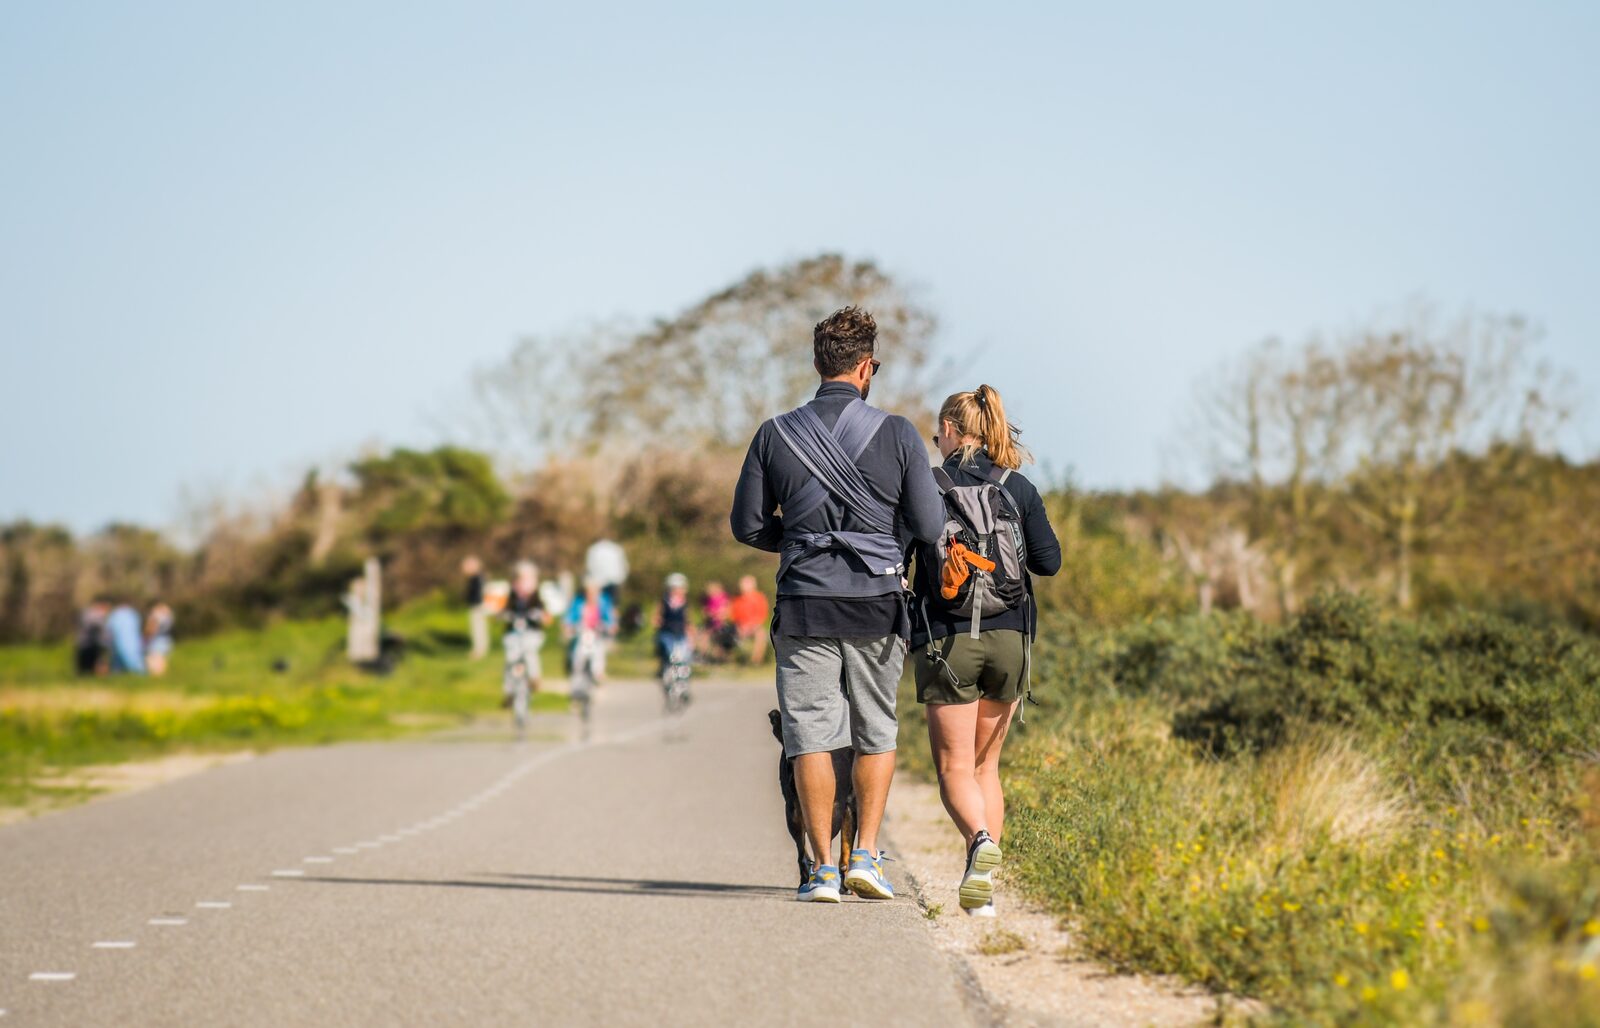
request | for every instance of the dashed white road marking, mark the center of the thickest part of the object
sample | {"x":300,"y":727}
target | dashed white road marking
{"x":171,"y":922}
{"x":253,"y":888}
{"x":388,"y":838}
{"x":214,"y":905}
{"x":368,"y":845}
{"x":115,"y":945}
{"x":345,"y":850}
{"x":295,"y":873}
{"x":52,"y":976}
{"x":317,"y":860}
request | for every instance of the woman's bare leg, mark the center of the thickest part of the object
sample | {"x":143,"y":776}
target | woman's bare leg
{"x":989,"y":736}
{"x":952,"y":727}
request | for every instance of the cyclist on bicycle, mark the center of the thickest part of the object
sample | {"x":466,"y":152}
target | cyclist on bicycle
{"x":525,"y":618}
{"x":590,"y":621}
{"x":672,"y":619}
{"x":672,"y":642}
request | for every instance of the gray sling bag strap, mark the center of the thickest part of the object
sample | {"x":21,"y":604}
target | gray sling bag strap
{"x":831,"y":459}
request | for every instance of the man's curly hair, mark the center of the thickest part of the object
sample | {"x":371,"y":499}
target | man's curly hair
{"x":842,"y":340}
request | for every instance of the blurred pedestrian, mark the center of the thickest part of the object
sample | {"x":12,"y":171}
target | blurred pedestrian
{"x":607,"y":564}
{"x":89,"y":650}
{"x":158,"y":639}
{"x":717,"y":616}
{"x":750,"y":610}
{"x":127,"y":640}
{"x":477,"y":610}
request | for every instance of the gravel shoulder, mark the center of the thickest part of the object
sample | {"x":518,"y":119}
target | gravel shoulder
{"x":1021,"y":962}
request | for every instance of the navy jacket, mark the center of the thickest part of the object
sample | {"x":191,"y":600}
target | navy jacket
{"x":895,"y":466}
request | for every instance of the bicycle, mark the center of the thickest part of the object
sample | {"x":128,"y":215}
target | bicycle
{"x":675,"y":676}
{"x":588,"y":663}
{"x":522,"y":645}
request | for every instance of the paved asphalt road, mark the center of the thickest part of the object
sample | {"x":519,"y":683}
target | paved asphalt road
{"x":643,"y":877}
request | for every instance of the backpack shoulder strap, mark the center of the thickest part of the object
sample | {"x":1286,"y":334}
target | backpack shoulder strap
{"x":998,"y":475}
{"x":942,"y":479}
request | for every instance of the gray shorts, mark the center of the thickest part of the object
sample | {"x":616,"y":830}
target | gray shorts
{"x":835,"y":693}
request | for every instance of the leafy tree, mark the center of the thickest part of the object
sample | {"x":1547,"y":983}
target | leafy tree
{"x":448,"y":491}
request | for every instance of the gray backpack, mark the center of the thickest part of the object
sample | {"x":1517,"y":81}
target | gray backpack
{"x":985,"y":520}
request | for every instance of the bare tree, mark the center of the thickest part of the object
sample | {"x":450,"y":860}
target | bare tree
{"x":1277,"y":422}
{"x":1370,"y":424}
{"x":1423,"y":392}
{"x":711,"y":374}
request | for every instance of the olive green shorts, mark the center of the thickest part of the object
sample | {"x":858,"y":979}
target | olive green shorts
{"x":992,"y":666}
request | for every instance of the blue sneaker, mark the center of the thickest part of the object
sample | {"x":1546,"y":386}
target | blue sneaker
{"x":866,"y":878}
{"x":821,"y":887}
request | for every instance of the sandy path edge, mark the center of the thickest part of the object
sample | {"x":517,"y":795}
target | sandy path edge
{"x":1020,"y":965}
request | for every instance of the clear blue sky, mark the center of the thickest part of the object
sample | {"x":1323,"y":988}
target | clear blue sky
{"x":237,"y":239}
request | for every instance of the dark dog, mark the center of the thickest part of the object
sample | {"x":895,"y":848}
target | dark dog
{"x":844,"y":803}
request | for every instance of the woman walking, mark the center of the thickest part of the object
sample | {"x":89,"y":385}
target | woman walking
{"x":974,"y":627}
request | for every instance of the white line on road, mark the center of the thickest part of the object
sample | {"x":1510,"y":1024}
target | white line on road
{"x":114,"y":945}
{"x":172,"y":922}
{"x":345,"y":850}
{"x":52,"y":976}
{"x":317,"y":860}
{"x":296,"y":873}
{"x":388,"y":838}
{"x":214,"y":905}
{"x":254,"y":888}
{"x":368,"y":845}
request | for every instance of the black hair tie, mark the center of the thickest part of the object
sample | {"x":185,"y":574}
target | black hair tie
{"x":983,"y":401}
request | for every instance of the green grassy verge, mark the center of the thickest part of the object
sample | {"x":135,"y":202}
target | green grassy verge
{"x":1355,"y":821}
{"x":284,"y":685}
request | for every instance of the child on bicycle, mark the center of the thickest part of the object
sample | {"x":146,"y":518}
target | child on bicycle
{"x":525,"y":618}
{"x":672,"y":619}
{"x":590,"y":621}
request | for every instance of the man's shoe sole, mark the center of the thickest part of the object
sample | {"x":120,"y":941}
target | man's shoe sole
{"x":866,"y":887}
{"x":827,"y":894}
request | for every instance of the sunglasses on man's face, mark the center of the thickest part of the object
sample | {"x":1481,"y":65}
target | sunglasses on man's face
{"x":876,"y":364}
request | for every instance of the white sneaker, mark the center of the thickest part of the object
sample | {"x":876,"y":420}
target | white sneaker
{"x":987,"y":910}
{"x":977,"y":887}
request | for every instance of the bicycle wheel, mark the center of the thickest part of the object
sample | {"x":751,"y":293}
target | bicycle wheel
{"x":519,"y":704}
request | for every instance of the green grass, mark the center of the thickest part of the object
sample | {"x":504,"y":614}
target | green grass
{"x":223,"y":692}
{"x":1380,"y":840}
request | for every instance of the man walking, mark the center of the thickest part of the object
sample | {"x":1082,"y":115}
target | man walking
{"x":855,"y":488}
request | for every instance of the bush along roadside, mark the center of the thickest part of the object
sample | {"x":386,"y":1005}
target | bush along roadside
{"x":1355,"y":820}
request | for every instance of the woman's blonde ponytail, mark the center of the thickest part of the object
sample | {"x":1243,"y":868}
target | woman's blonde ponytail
{"x":980,"y":416}
{"x":999,"y":435}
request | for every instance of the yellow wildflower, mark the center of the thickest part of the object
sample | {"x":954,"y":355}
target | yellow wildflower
{"x":1369,"y":993}
{"x":1361,"y":927}
{"x":1592,"y":926}
{"x":1480,"y":923}
{"x":1341,"y":979}
{"x":1290,"y":907}
{"x":1400,"y":980}
{"x":1588,"y":972}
